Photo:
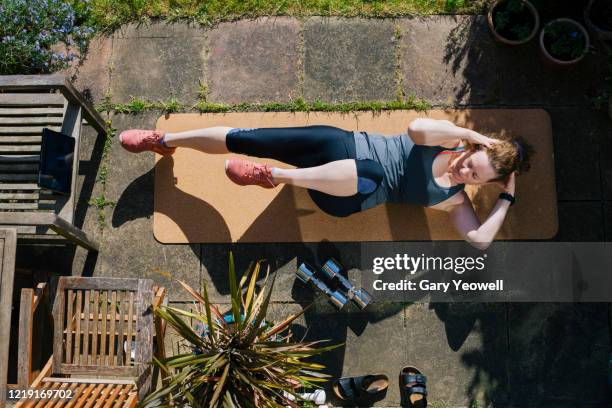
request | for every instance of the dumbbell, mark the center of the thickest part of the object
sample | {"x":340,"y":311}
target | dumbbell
{"x":331,"y":269}
{"x":306,"y":274}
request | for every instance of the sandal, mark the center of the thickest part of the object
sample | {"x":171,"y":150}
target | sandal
{"x":352,"y":388}
{"x":413,"y":387}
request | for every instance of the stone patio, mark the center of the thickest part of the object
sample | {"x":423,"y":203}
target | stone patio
{"x":475,"y":355}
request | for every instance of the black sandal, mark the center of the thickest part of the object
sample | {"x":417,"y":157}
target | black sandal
{"x":353,"y":388}
{"x":413,"y":387}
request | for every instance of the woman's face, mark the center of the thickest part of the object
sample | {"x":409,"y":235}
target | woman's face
{"x":472,"y":168}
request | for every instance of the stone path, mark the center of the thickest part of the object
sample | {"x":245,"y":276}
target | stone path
{"x":535,"y":355}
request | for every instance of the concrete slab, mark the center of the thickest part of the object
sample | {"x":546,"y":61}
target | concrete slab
{"x":255,"y":61}
{"x":92,"y":75}
{"x":349,"y":60}
{"x":462,"y":348}
{"x":554,"y":345}
{"x":524,"y":78}
{"x":156,"y":68}
{"x":448,"y":59}
{"x":128,"y":246}
{"x":580,"y":221}
{"x":160,"y":29}
{"x":577,"y":134}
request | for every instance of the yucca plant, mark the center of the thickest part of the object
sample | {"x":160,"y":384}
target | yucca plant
{"x":250,"y":362}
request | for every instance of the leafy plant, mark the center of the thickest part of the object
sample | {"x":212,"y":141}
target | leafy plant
{"x":564,"y":40}
{"x":237,"y":359}
{"x":513,"y":19}
{"x":30,"y":31}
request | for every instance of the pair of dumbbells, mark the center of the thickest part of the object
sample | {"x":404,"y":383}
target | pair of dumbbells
{"x":331,"y":270}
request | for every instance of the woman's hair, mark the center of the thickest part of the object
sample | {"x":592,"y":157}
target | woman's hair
{"x":511,"y":154}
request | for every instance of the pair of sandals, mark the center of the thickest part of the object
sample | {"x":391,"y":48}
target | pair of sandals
{"x":413,"y":387}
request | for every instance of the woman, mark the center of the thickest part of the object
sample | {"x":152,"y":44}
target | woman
{"x":347,"y":172}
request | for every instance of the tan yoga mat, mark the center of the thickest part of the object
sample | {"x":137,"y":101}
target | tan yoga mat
{"x":196,"y":203}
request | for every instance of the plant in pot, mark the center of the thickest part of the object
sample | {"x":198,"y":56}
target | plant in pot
{"x":598,"y":19}
{"x":236,"y":359}
{"x":564,"y":41}
{"x":513,"y":22}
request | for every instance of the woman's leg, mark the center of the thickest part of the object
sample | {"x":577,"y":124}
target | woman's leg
{"x":207,"y":140}
{"x":337,"y":178}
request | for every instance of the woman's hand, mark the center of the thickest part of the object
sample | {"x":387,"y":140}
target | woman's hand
{"x":476,"y":138}
{"x":509,"y":184}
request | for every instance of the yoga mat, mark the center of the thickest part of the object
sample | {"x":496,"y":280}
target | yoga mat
{"x":196,"y":203}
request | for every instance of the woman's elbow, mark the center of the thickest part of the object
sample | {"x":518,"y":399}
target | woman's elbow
{"x":416,"y":130}
{"x":478,"y":242}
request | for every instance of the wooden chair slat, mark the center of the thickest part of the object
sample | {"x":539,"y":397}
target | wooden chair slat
{"x":77,"y":338}
{"x":83,"y":369}
{"x":31,"y":139}
{"x":19,"y":158}
{"x":19,"y":196}
{"x":120,"y":324}
{"x":30,"y":120}
{"x":20,"y":149}
{"x":85,"y":394}
{"x":26,"y":129}
{"x":20,"y":111}
{"x":104,"y":321}
{"x":111,"y":394}
{"x":13,"y":168}
{"x":31,"y":99}
{"x":112,"y":332}
{"x":124,"y":395}
{"x":18,"y":178}
{"x":110,"y":284}
{"x":27,"y":206}
{"x":95,"y":395}
{"x":94,"y":336}
{"x":86,"y":297}
{"x":129,"y":333}
{"x":69,"y":323}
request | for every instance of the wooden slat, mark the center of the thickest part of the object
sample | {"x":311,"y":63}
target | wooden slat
{"x":24,"y":360}
{"x":27,"y":206}
{"x":16,"y":178}
{"x":19,"y":167}
{"x":31,"y":120}
{"x":103,"y":332}
{"x":81,"y":369}
{"x":94,"y":336}
{"x":124,"y":395}
{"x":122,"y":309}
{"x":53,"y":401}
{"x":85,"y":394}
{"x":20,"y":158}
{"x":69,"y":322}
{"x":112,"y":395}
{"x":78,"y":391}
{"x":20,"y":111}
{"x":75,"y":282}
{"x":19,"y":196}
{"x":8,"y":246}
{"x":94,"y":395}
{"x":31,"y":139}
{"x":71,"y":380}
{"x":130,"y":316}
{"x":26,"y":129}
{"x":71,"y":387}
{"x":19,"y":149}
{"x":77,"y":332}
{"x":86,"y":328}
{"x":31,"y":99}
{"x":111,"y":332}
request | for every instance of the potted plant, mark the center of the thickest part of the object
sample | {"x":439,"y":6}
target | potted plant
{"x":513,"y":22}
{"x":564,"y":41}
{"x":598,"y":19}
{"x":236,"y":359}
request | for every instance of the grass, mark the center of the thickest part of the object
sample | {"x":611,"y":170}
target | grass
{"x":137,"y":105}
{"x":110,"y":14}
{"x":100,"y":202}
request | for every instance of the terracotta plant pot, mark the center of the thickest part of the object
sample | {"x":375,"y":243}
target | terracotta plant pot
{"x":598,"y":19}
{"x":554,"y":41}
{"x":518,"y":27}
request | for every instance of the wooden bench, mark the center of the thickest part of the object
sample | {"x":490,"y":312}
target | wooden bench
{"x":102,"y":342}
{"x":29,"y":103}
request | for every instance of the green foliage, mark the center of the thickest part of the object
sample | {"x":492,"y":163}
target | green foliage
{"x":564,"y":40}
{"x":237,"y":358}
{"x":30,"y":31}
{"x":110,"y":14}
{"x":512,"y":19}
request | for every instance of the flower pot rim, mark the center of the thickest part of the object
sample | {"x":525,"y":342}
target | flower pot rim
{"x":597,"y":30}
{"x":575,"y":23}
{"x":503,"y":39}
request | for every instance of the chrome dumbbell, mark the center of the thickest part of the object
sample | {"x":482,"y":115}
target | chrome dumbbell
{"x":331,"y":269}
{"x":306,"y":274}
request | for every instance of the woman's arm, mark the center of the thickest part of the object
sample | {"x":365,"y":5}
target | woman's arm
{"x":466,"y":222}
{"x":432,"y":132}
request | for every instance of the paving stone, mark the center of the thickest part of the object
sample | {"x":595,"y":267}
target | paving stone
{"x":554,"y":345}
{"x":375,"y":341}
{"x":577,"y":135}
{"x":92,"y":75}
{"x":349,"y":60}
{"x":448,"y":59}
{"x":158,"y":68}
{"x":524,"y":78}
{"x":160,"y":29}
{"x":254,"y":61}
{"x":580,"y":221}
{"x":462,"y":348}
{"x":128,"y":246}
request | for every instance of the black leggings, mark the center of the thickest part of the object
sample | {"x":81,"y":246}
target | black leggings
{"x":311,"y":146}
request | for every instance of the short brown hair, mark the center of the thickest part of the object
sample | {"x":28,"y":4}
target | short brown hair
{"x":511,"y":154}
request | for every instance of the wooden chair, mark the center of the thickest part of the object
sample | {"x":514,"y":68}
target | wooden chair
{"x":29,"y":103}
{"x":102,"y":342}
{"x":8,"y":245}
